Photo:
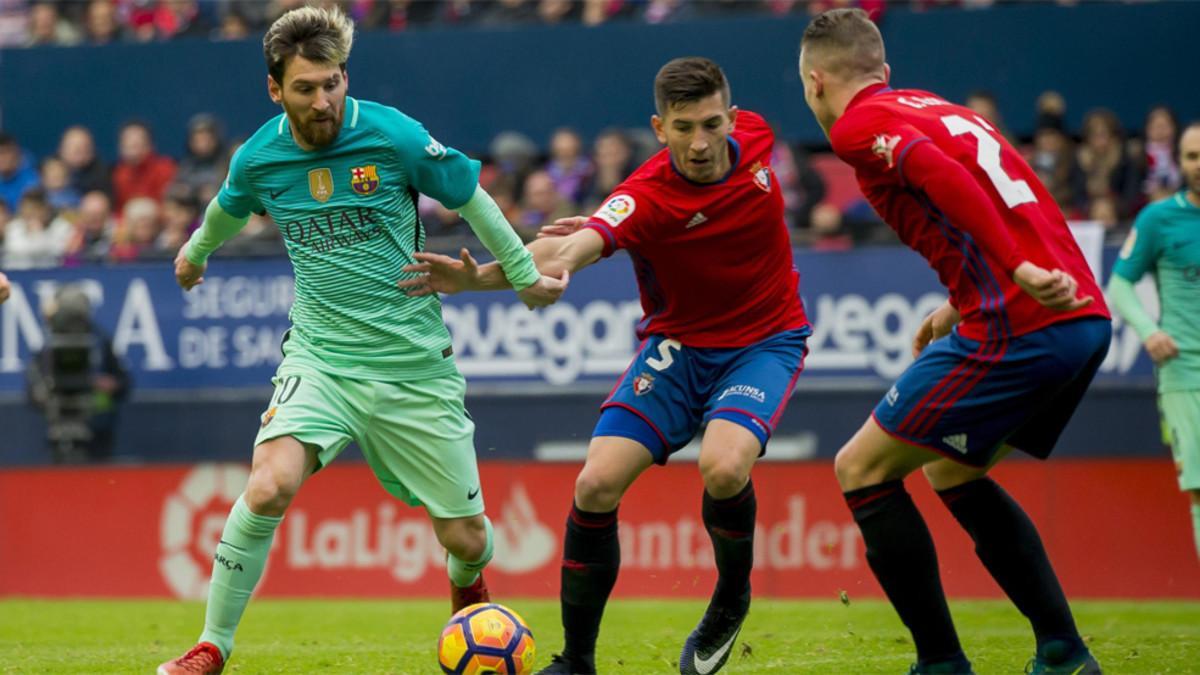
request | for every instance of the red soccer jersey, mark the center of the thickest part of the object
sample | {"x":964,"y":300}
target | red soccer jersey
{"x":713,"y":261}
{"x":959,"y":194}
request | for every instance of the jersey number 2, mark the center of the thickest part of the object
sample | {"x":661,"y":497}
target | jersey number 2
{"x":1013,"y":192}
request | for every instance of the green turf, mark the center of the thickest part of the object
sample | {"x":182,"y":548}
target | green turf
{"x":638,"y":636}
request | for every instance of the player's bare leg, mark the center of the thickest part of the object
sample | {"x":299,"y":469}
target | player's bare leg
{"x":591,"y":550}
{"x":871,"y":468}
{"x":727,"y":454}
{"x":1008,"y":545}
{"x":279,"y":468}
{"x":468,"y":543}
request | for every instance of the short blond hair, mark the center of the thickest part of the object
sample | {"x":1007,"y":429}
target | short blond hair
{"x":319,"y":34}
{"x":845,"y":42}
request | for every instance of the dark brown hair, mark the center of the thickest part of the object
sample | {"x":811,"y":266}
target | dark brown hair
{"x":687,"y":80}
{"x":846,"y":42}
{"x":319,"y":35}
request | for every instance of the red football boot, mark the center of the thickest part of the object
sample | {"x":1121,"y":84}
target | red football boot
{"x":471,"y":595}
{"x":203,"y":659}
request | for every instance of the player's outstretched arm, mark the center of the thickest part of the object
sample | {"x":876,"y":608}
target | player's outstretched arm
{"x":218,"y":227}
{"x":554,"y":257}
{"x":1159,"y":345}
{"x":5,"y":287}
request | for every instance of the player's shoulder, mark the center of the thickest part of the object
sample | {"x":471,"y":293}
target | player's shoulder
{"x":1156,"y":212}
{"x":405,"y":132}
{"x":750,"y":124}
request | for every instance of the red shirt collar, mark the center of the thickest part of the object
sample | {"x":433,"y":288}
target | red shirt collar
{"x":867,"y":92}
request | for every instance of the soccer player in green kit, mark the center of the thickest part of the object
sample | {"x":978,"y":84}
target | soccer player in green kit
{"x":362,"y":361}
{"x":1166,"y":241}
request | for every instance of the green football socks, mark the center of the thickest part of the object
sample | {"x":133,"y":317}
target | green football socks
{"x":237,"y":566}
{"x":462,"y":573}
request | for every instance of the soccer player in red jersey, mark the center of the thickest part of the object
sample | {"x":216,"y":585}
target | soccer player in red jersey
{"x":1001,"y":365}
{"x":723,"y":343}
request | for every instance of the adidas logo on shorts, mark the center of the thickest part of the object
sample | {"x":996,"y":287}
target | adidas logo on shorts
{"x":956,"y":441}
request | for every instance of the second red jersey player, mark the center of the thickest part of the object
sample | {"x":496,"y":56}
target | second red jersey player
{"x":975,"y":220}
{"x":1032,"y":330}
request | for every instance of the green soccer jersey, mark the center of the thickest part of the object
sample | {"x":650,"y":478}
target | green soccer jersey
{"x":348,"y":216}
{"x":1166,"y":241}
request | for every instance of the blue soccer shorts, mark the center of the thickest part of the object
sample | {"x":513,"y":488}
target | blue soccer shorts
{"x":670,"y":390}
{"x":965,"y":399}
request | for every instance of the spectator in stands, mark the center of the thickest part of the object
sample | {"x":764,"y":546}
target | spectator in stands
{"x":36,"y":237}
{"x":205,"y":161}
{"x":559,"y":11}
{"x":180,"y":213}
{"x":596,"y":12}
{"x":56,"y":181}
{"x":828,"y":232}
{"x":88,"y":172}
{"x":542,"y":204}
{"x":1107,"y":169}
{"x":1053,"y":159}
{"x":571,"y":170}
{"x":100,"y":25}
{"x":1160,"y":171}
{"x":137,"y":233}
{"x":76,"y":381}
{"x":509,"y":13}
{"x":141,"y":172}
{"x":1103,"y":210}
{"x":181,"y":19}
{"x":802,"y":187}
{"x":234,"y":26}
{"x":94,"y":226}
{"x":983,"y":103}
{"x":48,"y":28}
{"x":17,"y":174}
{"x":514,"y":155}
{"x":404,"y":14}
{"x":613,"y":160}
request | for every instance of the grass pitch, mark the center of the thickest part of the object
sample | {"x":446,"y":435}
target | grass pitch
{"x":637,"y":637}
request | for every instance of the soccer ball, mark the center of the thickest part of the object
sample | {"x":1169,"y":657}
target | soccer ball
{"x":486,"y":638}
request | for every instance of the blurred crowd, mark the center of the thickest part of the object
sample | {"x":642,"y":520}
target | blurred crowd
{"x":74,"y":207}
{"x":28,"y":23}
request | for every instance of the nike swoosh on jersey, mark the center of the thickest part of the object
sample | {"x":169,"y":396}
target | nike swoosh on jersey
{"x":276,"y":195}
{"x":705,"y":666}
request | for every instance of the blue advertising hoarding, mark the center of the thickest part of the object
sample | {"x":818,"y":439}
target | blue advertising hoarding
{"x":865,"y":306}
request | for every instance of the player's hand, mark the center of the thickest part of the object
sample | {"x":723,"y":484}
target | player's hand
{"x":5,"y":287}
{"x":563,"y":227}
{"x":1052,"y":288}
{"x":544,"y":291}
{"x":188,"y":274}
{"x":1161,"y":347}
{"x":437,"y":273}
{"x":937,"y":325}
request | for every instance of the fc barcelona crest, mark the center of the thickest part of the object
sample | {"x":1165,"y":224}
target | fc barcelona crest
{"x":320,"y":184}
{"x":643,"y":384}
{"x":762,"y":176}
{"x":364,"y":179}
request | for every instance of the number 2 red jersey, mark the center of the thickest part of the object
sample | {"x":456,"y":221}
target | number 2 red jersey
{"x":714,"y":260}
{"x":960,"y":195}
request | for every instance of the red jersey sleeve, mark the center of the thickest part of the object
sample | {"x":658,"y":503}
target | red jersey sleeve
{"x":622,"y":220}
{"x":883,"y":144}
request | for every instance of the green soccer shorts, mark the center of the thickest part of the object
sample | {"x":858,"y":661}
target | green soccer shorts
{"x":416,"y":435}
{"x":1181,"y":430}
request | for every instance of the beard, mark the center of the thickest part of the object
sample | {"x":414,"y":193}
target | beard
{"x":318,"y":133}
